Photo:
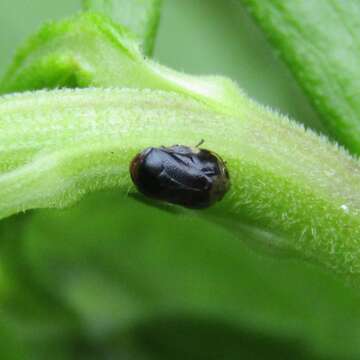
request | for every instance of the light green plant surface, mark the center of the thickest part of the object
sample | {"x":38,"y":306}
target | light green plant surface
{"x":151,"y":280}
{"x":59,"y":145}
{"x":67,"y":54}
{"x":320,"y":43}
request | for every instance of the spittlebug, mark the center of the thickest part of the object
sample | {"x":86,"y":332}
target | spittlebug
{"x":191,"y":177}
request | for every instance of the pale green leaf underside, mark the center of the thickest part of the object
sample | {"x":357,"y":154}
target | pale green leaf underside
{"x":320,"y":41}
{"x":56,"y":146}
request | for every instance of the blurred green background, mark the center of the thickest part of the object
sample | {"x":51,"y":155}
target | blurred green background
{"x":115,"y":279}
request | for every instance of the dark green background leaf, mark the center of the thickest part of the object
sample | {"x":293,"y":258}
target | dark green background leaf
{"x":319,"y":40}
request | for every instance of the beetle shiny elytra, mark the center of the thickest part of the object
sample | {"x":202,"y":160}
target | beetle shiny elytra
{"x":191,"y":177}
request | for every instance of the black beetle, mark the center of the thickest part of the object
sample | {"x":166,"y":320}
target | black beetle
{"x":191,"y":177}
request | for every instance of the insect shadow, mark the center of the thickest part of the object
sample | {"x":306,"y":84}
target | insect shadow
{"x":163,"y":206}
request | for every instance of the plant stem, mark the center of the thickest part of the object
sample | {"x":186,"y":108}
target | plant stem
{"x":59,"y":145}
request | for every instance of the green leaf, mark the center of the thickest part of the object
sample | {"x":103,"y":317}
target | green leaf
{"x":66,"y":53}
{"x":140,"y":16}
{"x":34,"y":321}
{"x":58,"y":57}
{"x":162,"y":280}
{"x":319,"y":41}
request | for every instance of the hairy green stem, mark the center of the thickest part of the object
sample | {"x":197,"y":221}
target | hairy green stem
{"x":59,"y":145}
